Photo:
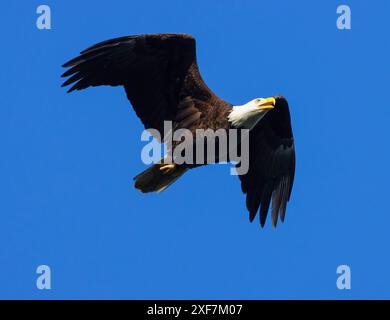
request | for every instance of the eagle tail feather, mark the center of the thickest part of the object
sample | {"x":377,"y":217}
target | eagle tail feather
{"x":154,"y":179}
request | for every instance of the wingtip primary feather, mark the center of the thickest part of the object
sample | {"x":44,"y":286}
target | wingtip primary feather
{"x":252,"y":216}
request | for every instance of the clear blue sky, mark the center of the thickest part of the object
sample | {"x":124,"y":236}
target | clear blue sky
{"x":67,"y":161}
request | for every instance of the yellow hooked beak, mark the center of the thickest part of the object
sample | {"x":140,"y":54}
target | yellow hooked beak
{"x":268,"y":103}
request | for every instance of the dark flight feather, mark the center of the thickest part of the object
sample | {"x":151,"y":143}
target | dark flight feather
{"x":159,"y":74}
{"x":271,"y":165}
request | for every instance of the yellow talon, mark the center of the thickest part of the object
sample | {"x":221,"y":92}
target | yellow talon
{"x":168,"y":168}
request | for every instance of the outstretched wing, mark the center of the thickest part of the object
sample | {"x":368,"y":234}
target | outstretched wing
{"x":159,"y":73}
{"x":271,"y":166}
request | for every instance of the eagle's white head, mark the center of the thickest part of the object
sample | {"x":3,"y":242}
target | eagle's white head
{"x":249,"y":114}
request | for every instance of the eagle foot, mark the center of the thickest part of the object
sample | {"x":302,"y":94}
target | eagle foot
{"x":168,"y":168}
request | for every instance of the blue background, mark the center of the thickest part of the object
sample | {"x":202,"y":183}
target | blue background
{"x":67,"y":161}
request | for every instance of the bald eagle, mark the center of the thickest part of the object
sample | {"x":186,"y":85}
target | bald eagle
{"x":161,"y":79}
